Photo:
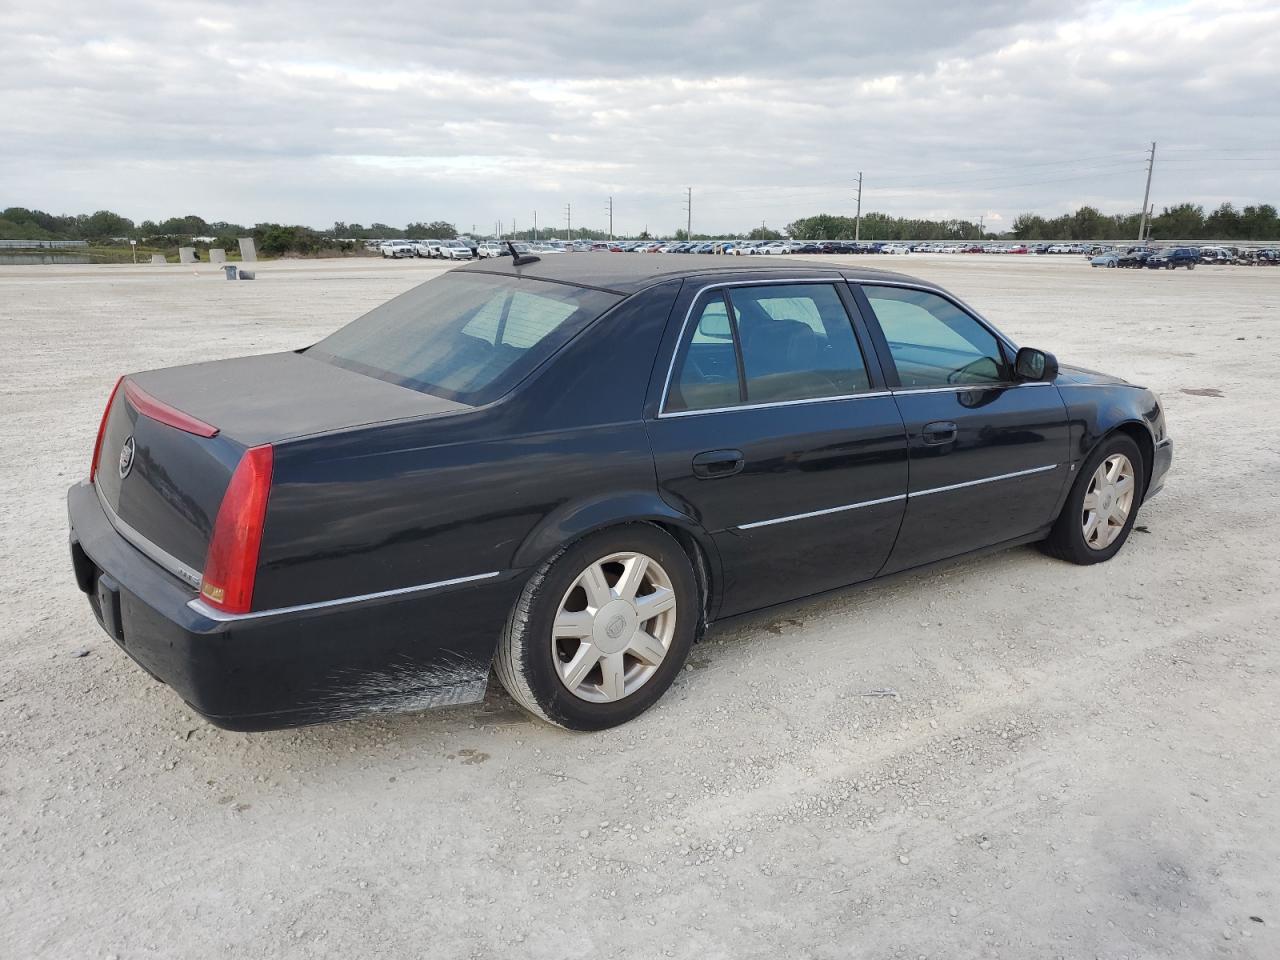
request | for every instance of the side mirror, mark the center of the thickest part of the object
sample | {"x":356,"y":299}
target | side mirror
{"x":1033,"y":364}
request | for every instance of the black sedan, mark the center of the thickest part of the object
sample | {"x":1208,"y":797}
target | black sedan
{"x":564,"y":470}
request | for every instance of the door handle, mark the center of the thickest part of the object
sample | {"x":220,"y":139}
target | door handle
{"x":718,"y":463}
{"x":939,"y":431}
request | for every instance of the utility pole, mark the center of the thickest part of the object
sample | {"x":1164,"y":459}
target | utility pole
{"x":857,"y":224}
{"x":1151,"y":164}
{"x":981,"y":225}
{"x":610,"y":209}
{"x":688,"y":209}
{"x":535,"y":226}
{"x":568,"y":221}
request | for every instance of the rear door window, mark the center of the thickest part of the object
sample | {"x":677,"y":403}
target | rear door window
{"x":706,"y":374}
{"x":781,"y":343}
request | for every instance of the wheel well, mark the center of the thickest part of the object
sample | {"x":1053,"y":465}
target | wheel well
{"x":701,"y":569}
{"x":689,"y":543}
{"x":1142,"y":437}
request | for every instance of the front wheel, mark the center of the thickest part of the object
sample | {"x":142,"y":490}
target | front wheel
{"x":1100,"y":510}
{"x":601,"y":630}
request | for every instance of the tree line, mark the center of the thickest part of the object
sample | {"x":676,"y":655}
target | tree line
{"x":272,"y":239}
{"x":1184,"y":221}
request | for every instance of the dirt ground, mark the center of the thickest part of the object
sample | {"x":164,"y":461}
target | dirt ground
{"x":1011,"y":757}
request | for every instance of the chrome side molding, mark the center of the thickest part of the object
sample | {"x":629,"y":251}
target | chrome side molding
{"x":202,"y":608}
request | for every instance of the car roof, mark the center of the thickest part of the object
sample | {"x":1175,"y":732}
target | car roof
{"x":626,"y":275}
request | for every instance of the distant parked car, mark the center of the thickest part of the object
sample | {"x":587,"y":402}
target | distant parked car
{"x":488,"y":249}
{"x":454,"y":250}
{"x":1134,"y":257}
{"x":897,"y":249}
{"x":1109,"y":259}
{"x":1174,"y":258}
{"x":397,"y":250}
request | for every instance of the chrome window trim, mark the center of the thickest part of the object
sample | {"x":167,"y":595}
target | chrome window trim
{"x":663,"y":413}
{"x":901,"y":496}
{"x":150,"y":550}
{"x":775,"y":403}
{"x":1002,"y":385}
{"x":202,"y":608}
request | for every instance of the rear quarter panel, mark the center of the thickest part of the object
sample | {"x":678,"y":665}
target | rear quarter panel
{"x":420,"y":501}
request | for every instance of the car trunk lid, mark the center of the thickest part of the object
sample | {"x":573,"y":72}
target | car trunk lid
{"x":172,"y":439}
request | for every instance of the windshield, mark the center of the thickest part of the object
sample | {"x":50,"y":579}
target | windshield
{"x":464,"y":336}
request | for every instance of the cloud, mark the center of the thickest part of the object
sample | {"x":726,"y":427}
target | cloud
{"x":313,"y":112}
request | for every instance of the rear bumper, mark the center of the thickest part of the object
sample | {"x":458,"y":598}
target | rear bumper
{"x":393,"y":654}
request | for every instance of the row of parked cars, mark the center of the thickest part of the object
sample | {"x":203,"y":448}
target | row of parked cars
{"x":430,"y":249}
{"x":1170,"y":258}
{"x":1099,"y":255}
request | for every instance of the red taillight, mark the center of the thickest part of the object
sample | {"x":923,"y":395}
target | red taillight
{"x":102,"y":429}
{"x":232,"y":563}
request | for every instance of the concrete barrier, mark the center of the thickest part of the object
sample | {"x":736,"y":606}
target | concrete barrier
{"x":217,"y":255}
{"x":186,"y":254}
{"x":248,"y":252}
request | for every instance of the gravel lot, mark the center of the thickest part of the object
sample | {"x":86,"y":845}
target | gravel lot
{"x":1011,"y":757}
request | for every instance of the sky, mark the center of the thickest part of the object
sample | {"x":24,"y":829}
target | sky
{"x":315,"y":112}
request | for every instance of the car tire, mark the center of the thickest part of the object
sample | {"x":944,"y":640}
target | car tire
{"x":536,"y":661}
{"x":1111,"y":263}
{"x":1073,"y":538}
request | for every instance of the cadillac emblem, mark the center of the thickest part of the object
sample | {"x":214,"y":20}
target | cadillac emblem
{"x":126,"y":457}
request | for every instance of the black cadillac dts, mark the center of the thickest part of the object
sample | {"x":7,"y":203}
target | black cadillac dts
{"x":562,"y":471}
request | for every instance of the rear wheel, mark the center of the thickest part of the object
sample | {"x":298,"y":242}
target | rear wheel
{"x":1100,"y":510}
{"x":601,"y":630}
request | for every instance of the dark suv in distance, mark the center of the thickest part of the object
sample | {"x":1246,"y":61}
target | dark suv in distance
{"x":1174,"y":258}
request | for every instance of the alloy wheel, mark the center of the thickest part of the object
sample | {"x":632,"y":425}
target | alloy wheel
{"x":1108,"y":501}
{"x":614,"y":627}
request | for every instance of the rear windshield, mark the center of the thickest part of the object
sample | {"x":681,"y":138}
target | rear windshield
{"x":464,"y":336}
